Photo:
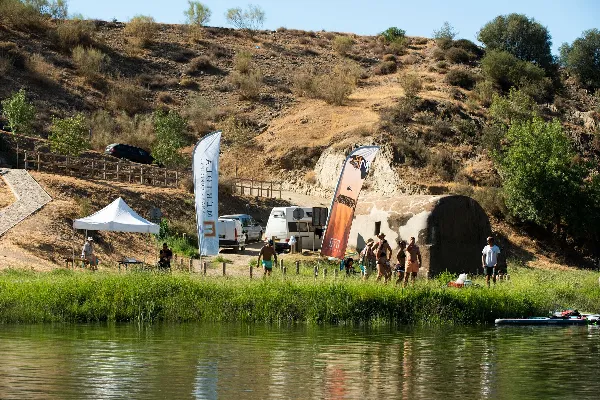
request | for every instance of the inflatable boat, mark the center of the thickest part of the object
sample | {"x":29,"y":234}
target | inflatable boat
{"x":563,"y":318}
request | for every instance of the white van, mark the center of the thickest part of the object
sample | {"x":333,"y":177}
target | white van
{"x":231,"y":234}
{"x":285,"y":222}
{"x":252,"y":228}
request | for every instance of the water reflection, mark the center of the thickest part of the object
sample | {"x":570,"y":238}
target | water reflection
{"x":209,"y":361}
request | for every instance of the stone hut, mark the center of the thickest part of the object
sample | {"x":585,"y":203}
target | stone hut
{"x":450,"y":230}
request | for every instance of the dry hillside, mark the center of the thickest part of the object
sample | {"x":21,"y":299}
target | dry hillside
{"x":275,"y":124}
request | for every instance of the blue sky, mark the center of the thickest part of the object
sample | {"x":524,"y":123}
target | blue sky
{"x":565,"y":19}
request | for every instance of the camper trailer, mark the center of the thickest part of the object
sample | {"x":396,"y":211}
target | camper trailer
{"x":306,"y":224}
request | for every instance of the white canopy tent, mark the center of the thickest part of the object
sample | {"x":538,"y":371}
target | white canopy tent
{"x":116,"y":217}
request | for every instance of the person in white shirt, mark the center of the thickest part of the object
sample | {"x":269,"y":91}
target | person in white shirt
{"x":489,"y":260}
{"x":87,"y":254}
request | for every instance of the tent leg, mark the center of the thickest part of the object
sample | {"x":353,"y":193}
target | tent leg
{"x":73,"y":248}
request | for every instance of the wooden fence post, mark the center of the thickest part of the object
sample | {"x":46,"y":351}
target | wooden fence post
{"x":191,"y":267}
{"x":25,"y":152}
{"x":104,"y":171}
{"x":118,"y":165}
{"x":297,"y":267}
{"x":251,"y":185}
{"x":224,"y":266}
{"x":316,"y":272}
{"x":324,"y":273}
{"x":38,"y":162}
{"x":281,"y":265}
{"x":250,"y":271}
{"x":204,"y":268}
{"x":142,"y":175}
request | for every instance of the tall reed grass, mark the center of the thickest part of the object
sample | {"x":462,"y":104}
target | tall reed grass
{"x":68,"y":296}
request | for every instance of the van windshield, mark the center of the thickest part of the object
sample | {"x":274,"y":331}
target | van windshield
{"x":279,"y":214}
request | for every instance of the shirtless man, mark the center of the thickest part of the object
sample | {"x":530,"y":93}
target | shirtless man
{"x":383,"y":251}
{"x":266,"y":253}
{"x":413,"y":261}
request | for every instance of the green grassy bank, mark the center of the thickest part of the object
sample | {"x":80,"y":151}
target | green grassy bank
{"x":67,"y":296}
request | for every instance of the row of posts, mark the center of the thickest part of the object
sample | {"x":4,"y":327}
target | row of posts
{"x":282,"y":267}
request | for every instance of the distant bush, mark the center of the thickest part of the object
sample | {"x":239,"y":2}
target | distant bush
{"x":457,"y":56}
{"x":336,"y":86}
{"x":197,"y":14}
{"x":127,"y":97}
{"x":303,"y":83}
{"x":385,"y":68}
{"x":342,"y":44}
{"x":41,"y":70}
{"x":18,"y":112}
{"x":69,"y":135}
{"x":199,"y":112}
{"x":469,"y":47}
{"x":460,"y":78}
{"x":136,"y":131}
{"x":170,"y":131}
{"x":141,"y":29}
{"x":491,"y":199}
{"x":30,"y":15}
{"x":484,"y":92}
{"x":582,"y":58}
{"x":392,"y":34}
{"x":438,"y":54}
{"x":251,"y":19}
{"x":397,"y":47}
{"x":411,"y":83}
{"x":402,"y":112}
{"x":90,"y":62}
{"x":238,"y":131}
{"x":75,"y":32}
{"x":198,"y":64}
{"x":517,"y":106}
{"x":390,"y":57}
{"x":444,"y":36}
{"x":443,"y":164}
{"x":242,"y":62}
{"x":248,"y":84}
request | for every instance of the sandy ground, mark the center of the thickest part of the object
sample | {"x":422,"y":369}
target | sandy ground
{"x":6,"y":196}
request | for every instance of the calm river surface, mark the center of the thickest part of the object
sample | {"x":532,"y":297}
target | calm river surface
{"x":209,"y":361}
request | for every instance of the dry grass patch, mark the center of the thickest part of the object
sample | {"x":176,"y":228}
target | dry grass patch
{"x":41,"y":70}
{"x":75,"y":32}
{"x":141,"y":30}
{"x":128,"y":97}
{"x":90,"y":62}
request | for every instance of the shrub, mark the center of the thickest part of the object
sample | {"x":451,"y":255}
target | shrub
{"x":19,"y":15}
{"x":18,"y":112}
{"x":385,"y":67}
{"x":238,"y":131}
{"x":69,"y":135}
{"x":390,"y":57}
{"x":199,"y":112}
{"x":169,"y":129}
{"x":197,"y":13}
{"x":75,"y":32}
{"x":248,"y":84}
{"x":201,"y":63}
{"x":342,"y":44}
{"x":127,"y":97}
{"x":475,"y":51}
{"x":5,"y":65}
{"x":336,"y":86}
{"x":457,"y":56}
{"x":141,"y":29}
{"x":90,"y":61}
{"x":250,"y":19}
{"x":460,"y":78}
{"x":484,"y":92}
{"x":438,"y":54}
{"x":41,"y":70}
{"x":491,"y":199}
{"x":136,"y":131}
{"x":303,"y":83}
{"x":516,"y":107}
{"x":444,"y":36}
{"x":442,"y":163}
{"x":505,"y":70}
{"x":397,"y":47}
{"x":520,"y":36}
{"x":582,"y":58}
{"x":392,"y":34}
{"x":103,"y":128}
{"x":242,"y":62}
{"x":411,"y":83}
{"x":402,"y":112}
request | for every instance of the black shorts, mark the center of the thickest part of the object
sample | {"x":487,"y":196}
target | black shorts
{"x":489,"y":271}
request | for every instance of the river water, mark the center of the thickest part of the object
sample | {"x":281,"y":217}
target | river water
{"x":210,"y":361}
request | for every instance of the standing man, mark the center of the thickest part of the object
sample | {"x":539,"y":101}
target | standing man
{"x":87,"y":254}
{"x":266,"y":253}
{"x":413,"y":261}
{"x":489,"y":260}
{"x":367,"y":259}
{"x":401,"y":257}
{"x":383,"y":252}
{"x":165,"y":256}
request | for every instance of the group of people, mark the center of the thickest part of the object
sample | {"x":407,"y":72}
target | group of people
{"x":379,"y":255}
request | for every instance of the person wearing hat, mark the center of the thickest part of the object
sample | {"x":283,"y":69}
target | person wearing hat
{"x":489,"y":260}
{"x":413,"y":261}
{"x":87,"y":253}
{"x":367,"y":259}
{"x":266,"y":253}
{"x":383,"y":253}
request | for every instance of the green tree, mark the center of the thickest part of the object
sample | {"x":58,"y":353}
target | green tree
{"x":170,"y":131}
{"x":522,"y":37}
{"x":542,"y":179}
{"x":197,"y":13}
{"x":583,"y":58}
{"x":251,"y":19}
{"x":517,"y":106}
{"x":19,"y":112}
{"x":55,"y":9}
{"x":69,"y":135}
{"x":445,"y":36}
{"x":393,"y":34}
